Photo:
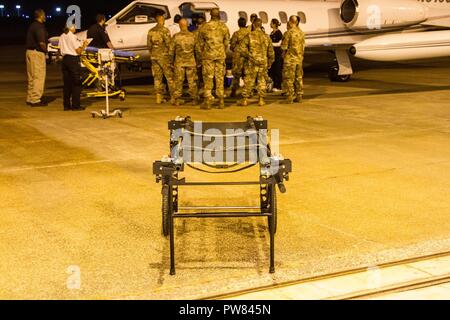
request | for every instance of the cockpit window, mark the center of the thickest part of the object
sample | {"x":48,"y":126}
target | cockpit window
{"x":143,"y":13}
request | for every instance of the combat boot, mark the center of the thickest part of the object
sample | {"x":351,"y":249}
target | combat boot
{"x":243,"y":102}
{"x":298,"y":99}
{"x":195,"y":101}
{"x":290,"y":100}
{"x":206,"y":105}
{"x":178,"y":102}
{"x":261,"y":102}
{"x":221,"y":103}
{"x":159,"y":98}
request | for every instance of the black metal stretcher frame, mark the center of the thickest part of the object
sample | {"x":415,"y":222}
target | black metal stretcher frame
{"x":167,"y":172}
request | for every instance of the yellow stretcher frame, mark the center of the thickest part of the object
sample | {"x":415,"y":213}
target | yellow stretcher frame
{"x":90,"y":62}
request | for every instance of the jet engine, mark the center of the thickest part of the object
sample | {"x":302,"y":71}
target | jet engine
{"x":365,"y":15}
{"x":404,"y":46}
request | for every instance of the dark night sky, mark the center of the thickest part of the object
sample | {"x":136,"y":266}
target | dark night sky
{"x":16,"y":28}
{"x":88,"y":8}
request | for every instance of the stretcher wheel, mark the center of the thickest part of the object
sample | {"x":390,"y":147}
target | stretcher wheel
{"x":273,"y":210}
{"x":165,"y":210}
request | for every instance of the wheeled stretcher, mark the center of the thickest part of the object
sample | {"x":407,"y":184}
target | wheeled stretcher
{"x":237,"y":146}
{"x":95,"y":78}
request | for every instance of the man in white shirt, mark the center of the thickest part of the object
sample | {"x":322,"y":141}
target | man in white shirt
{"x":71,"y":49}
{"x":175,"y":27}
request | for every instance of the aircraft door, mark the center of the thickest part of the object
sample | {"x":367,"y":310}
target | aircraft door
{"x":193,"y":10}
{"x":130,"y":29}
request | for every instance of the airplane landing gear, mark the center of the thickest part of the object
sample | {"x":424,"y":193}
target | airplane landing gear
{"x":334,"y":76}
{"x":342,"y":70}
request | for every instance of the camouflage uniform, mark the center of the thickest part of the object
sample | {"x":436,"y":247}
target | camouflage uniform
{"x":158,"y":42}
{"x":183,"y":53}
{"x":258,"y":48}
{"x":238,"y":60}
{"x":214,"y":39}
{"x":294,"y":47}
{"x":199,"y":69}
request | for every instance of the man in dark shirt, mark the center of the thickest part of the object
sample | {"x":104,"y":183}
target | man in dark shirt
{"x":36,"y":43}
{"x":98,"y":33}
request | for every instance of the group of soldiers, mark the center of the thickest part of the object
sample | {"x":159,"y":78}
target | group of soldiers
{"x":204,"y":51}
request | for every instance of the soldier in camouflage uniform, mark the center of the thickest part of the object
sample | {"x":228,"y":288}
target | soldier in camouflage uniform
{"x":158,"y":42}
{"x":214,"y":39}
{"x":184,"y":52}
{"x":258,"y":49}
{"x":238,"y":60}
{"x":293,"y":46}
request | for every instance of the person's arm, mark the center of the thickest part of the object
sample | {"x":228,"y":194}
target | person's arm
{"x":198,"y":53}
{"x":172,"y":51}
{"x":285,"y":44}
{"x":41,"y":39}
{"x":243,"y":47}
{"x":226,"y":40}
{"x":233,"y":42}
{"x":149,"y":41}
{"x":201,"y":40}
{"x":107,"y":40}
{"x":198,"y":49}
{"x":167,"y":38}
{"x":270,"y":53}
{"x":82,"y":48}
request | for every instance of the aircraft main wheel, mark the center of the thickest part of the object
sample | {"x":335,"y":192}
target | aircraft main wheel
{"x":335,"y":77}
{"x":165,"y":210}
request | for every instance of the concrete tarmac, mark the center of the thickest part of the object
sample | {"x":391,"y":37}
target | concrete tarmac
{"x":80,"y":210}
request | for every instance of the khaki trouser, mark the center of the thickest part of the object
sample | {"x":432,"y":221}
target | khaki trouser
{"x":36,"y":70}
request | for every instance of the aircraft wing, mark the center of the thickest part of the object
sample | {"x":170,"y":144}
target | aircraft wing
{"x":438,"y":22}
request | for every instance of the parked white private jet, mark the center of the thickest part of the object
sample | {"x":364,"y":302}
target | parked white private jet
{"x":380,"y":30}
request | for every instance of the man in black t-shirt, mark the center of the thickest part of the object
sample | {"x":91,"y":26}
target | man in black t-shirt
{"x":98,"y":33}
{"x":36,"y":45}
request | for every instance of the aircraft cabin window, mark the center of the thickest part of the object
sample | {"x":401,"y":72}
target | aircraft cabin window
{"x":243,"y":14}
{"x":264,"y":17}
{"x":223,"y":16}
{"x":143,"y":13}
{"x":283,"y":17}
{"x":302,"y":16}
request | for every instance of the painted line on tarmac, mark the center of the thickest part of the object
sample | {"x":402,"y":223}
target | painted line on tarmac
{"x":67,"y":164}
